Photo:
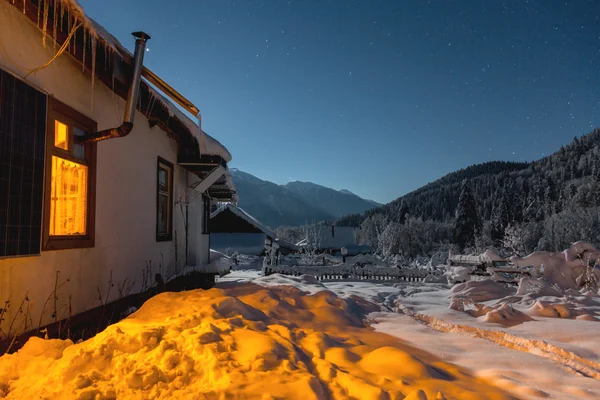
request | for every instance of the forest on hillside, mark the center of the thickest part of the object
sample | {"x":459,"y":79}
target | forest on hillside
{"x":516,"y":207}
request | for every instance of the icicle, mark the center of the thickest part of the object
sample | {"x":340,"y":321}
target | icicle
{"x":62,"y":14}
{"x":75,"y":37}
{"x":106,"y":58}
{"x":84,"y":49}
{"x":69,"y":29}
{"x":93,"y":41}
{"x":55,"y":19}
{"x":45,"y":26}
{"x":151,"y":102}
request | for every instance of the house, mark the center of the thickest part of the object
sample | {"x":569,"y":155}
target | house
{"x":105,"y":183}
{"x":331,"y":239}
{"x":234,"y":230}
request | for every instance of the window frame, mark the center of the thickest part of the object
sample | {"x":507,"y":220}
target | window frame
{"x":205,"y":215}
{"x":57,"y":110}
{"x":16,"y":92}
{"x":161,"y":162}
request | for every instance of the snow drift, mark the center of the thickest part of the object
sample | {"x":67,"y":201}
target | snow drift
{"x":567,"y":269}
{"x":246,"y":341}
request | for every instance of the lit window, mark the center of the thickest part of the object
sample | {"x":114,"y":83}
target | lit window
{"x":61,"y":136}
{"x":70,"y":181}
{"x":164,"y":200}
{"x":68,"y":199}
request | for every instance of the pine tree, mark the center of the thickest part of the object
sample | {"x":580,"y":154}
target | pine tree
{"x":503,"y":217}
{"x":467,"y":224}
{"x":403,"y":213}
{"x":596,"y":169}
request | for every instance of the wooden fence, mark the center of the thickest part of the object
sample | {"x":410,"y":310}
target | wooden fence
{"x":350,"y":272}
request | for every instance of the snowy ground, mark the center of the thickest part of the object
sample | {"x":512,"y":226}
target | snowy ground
{"x":284,"y":337}
{"x":543,"y":346}
{"x":240,"y":341}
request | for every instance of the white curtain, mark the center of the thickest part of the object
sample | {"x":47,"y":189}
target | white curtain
{"x":68,"y":203}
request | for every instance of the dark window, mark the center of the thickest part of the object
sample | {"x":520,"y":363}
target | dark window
{"x":70,"y":180}
{"x":22,"y":139}
{"x":206,"y":214}
{"x":164,"y":201}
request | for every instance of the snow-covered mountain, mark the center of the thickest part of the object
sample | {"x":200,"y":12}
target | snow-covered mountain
{"x":295,"y":203}
{"x":333,"y":201}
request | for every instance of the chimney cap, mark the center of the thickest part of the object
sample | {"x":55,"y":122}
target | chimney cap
{"x":141,"y":35}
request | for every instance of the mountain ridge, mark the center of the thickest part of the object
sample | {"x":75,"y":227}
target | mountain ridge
{"x":538,"y":188}
{"x":295,"y":203}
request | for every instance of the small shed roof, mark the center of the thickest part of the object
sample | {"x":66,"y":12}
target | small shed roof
{"x":246,"y":217}
{"x":488,"y":257}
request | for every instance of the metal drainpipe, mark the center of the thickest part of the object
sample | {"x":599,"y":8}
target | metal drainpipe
{"x":132,"y":96}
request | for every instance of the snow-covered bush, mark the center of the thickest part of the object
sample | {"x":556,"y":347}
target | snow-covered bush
{"x":309,"y":252}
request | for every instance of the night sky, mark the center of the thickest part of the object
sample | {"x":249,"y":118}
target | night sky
{"x":377,"y":97}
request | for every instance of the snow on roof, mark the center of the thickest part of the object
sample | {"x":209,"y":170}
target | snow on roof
{"x":231,"y":186}
{"x":95,"y":29}
{"x":208,"y":145}
{"x":303,"y":242}
{"x":285,"y":244}
{"x":245,"y":216}
{"x":487,"y":257}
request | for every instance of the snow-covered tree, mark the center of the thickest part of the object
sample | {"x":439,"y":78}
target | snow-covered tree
{"x":467,"y":224}
{"x":514,"y":239}
{"x":403,"y":213}
{"x":312,"y":236}
{"x":389,"y":240}
{"x":371,"y":230}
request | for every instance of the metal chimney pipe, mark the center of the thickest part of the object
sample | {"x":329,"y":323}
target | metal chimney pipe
{"x":132,"y":95}
{"x":138,"y":62}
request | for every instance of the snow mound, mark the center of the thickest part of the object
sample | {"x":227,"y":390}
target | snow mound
{"x":219,"y":264}
{"x":248,"y":341}
{"x":305,"y":283}
{"x":567,"y":269}
{"x":536,"y":288}
{"x":480,"y":291}
{"x":506,"y":315}
{"x":458,"y":274}
{"x":567,"y":310}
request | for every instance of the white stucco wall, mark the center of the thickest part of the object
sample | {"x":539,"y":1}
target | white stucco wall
{"x":125,"y":191}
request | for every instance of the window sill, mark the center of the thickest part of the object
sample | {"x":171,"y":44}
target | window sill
{"x":2,"y":258}
{"x":164,"y":238}
{"x":66,"y":243}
